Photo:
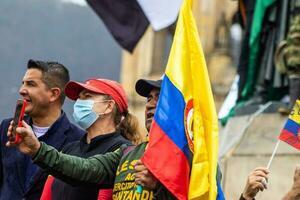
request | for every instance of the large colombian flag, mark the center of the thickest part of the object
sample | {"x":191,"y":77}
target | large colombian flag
{"x":291,"y":130}
{"x":183,"y":145}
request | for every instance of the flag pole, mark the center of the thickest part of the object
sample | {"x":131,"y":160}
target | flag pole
{"x":273,"y":154}
{"x":264,"y":181}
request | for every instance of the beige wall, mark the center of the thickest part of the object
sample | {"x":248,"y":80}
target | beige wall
{"x":207,"y":14}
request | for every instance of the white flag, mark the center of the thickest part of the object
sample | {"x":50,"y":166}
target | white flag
{"x":160,"y":13}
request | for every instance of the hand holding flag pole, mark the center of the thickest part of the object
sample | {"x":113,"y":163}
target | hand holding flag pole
{"x":290,"y":133}
{"x":143,"y":177}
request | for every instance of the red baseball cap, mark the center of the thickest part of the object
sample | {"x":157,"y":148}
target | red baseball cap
{"x":101,"y":86}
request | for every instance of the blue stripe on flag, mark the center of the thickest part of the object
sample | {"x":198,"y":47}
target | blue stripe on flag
{"x":220,"y":192}
{"x":292,"y":127}
{"x":169,"y":115}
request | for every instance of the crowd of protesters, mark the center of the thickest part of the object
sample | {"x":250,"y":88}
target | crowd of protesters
{"x":102,"y":161}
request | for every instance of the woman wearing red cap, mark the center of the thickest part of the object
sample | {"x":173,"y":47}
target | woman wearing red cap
{"x":101,"y":108}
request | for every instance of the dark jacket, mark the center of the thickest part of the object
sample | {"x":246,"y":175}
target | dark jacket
{"x":98,"y":145}
{"x":19,"y":177}
{"x":114,"y":169}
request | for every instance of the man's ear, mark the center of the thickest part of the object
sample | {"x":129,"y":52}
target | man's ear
{"x":55,"y":94}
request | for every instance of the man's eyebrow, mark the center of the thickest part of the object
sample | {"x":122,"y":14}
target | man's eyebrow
{"x":29,"y":81}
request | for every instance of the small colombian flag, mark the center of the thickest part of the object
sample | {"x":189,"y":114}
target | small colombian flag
{"x":291,"y":131}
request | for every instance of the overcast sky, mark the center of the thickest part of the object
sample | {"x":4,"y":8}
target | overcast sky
{"x":80,"y":2}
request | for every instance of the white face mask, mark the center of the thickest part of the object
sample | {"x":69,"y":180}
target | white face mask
{"x":83,"y":113}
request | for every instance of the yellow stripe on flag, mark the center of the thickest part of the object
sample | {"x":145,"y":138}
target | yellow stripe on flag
{"x":295,"y":114}
{"x":187,"y":70}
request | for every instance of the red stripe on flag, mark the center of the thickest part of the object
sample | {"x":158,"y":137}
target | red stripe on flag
{"x":290,"y":138}
{"x":175,"y":171}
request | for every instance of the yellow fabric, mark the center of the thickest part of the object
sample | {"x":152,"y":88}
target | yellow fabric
{"x":187,"y":70}
{"x":295,"y":114}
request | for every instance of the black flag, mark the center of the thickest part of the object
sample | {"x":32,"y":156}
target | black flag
{"x":124,"y":18}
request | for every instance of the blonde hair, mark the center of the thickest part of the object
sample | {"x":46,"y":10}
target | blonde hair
{"x":129,"y":128}
{"x":127,"y":124}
